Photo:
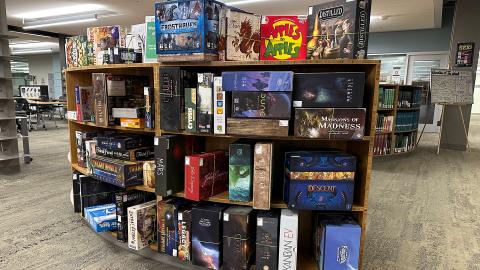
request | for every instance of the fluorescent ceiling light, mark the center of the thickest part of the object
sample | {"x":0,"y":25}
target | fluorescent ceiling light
{"x":236,"y":3}
{"x":26,"y":45}
{"x":22,"y":52}
{"x":66,"y":10}
{"x":60,"y":21}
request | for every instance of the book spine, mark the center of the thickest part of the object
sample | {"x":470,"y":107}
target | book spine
{"x":262,"y":175}
{"x":220,"y":107}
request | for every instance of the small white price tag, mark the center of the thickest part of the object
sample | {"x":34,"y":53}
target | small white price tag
{"x":201,"y":162}
{"x":310,"y":10}
{"x":259,"y":222}
{"x":115,"y":50}
{"x":169,"y":192}
{"x":225,"y":216}
{"x":119,"y":218}
{"x":258,"y":149}
{"x":187,"y":161}
{"x":75,"y":177}
{"x":125,"y":198}
{"x":174,"y":253}
{"x":297,"y":103}
{"x":156,"y":141}
{"x":145,"y":91}
{"x":283,"y":123}
{"x":180,"y":216}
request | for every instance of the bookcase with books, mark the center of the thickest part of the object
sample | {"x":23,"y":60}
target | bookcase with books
{"x":397,"y":120}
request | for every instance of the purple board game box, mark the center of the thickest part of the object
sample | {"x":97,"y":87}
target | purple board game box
{"x":258,"y":81}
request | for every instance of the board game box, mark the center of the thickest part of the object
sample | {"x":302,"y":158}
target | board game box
{"x":241,"y":35}
{"x":205,"y":103}
{"x":117,"y":172}
{"x":266,"y":248}
{"x":330,"y":123}
{"x":104,"y":37}
{"x":185,"y":234}
{"x":78,"y":52}
{"x":191,"y":110}
{"x":101,"y":218}
{"x":272,"y":105}
{"x":93,"y":192}
{"x":149,"y":107}
{"x":338,"y":29}
{"x":257,"y":81}
{"x":257,"y":127}
{"x":238,"y":236}
{"x":283,"y":38}
{"x":167,"y":225}
{"x":138,"y":154}
{"x":141,"y":225}
{"x":123,"y":200}
{"x":101,"y":99}
{"x":128,"y":112}
{"x":240,"y":172}
{"x":187,"y":28}
{"x":81,"y":138}
{"x":123,"y":142}
{"x":288,"y":240}
{"x":221,"y":105}
{"x":329,"y":89}
{"x":262,"y":175}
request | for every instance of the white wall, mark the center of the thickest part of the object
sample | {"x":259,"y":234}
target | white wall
{"x":40,"y":65}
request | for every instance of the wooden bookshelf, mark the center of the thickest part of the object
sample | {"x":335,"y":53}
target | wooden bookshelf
{"x":362,"y":149}
{"x":393,"y":112}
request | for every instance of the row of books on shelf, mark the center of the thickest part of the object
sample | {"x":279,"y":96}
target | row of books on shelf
{"x":180,"y":164}
{"x":218,"y":32}
{"x":406,"y":121}
{"x":386,"y":98}
{"x":384,"y":123}
{"x":325,"y":105}
{"x":405,"y":142}
{"x":382,"y":144}
{"x":115,"y":100}
{"x":216,"y":235}
{"x":410,"y":98}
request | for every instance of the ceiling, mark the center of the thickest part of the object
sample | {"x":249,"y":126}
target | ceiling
{"x":387,"y":15}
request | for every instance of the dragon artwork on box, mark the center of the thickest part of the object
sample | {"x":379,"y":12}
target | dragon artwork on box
{"x":246,"y":40}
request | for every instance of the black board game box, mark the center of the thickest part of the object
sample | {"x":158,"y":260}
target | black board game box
{"x":338,"y":29}
{"x":207,"y":235}
{"x":205,"y":103}
{"x":328,"y":90}
{"x":167,"y":225}
{"x":238,"y":232}
{"x":273,"y":105}
{"x":173,"y":82}
{"x":138,"y":154}
{"x":266,"y":248}
{"x":330,"y":123}
{"x":94,"y":192}
{"x":185,"y":233}
{"x":117,"y":172}
{"x":123,"y":142}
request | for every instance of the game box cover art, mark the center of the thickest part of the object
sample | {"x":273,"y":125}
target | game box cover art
{"x":187,"y":27}
{"x":330,"y":123}
{"x":242,"y":32}
{"x":338,"y":29}
{"x":266,"y":248}
{"x":272,"y":105}
{"x":283,"y":38}
{"x":104,"y":37}
{"x":257,"y":81}
{"x":141,"y":225}
{"x":329,"y":89}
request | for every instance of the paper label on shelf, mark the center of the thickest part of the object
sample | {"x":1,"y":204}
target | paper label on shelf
{"x":259,"y":222}
{"x":226,"y":217}
{"x":155,"y":141}
{"x":297,"y":103}
{"x":283,"y":123}
{"x":187,"y":161}
{"x":180,"y":216}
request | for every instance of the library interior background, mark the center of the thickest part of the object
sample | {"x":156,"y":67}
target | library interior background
{"x":240,"y":134}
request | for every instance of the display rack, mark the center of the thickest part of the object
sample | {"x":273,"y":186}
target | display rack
{"x":362,"y":149}
{"x":9,"y":157}
{"x":392,"y":135}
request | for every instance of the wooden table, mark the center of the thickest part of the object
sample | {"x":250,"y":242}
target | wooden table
{"x":38,"y":104}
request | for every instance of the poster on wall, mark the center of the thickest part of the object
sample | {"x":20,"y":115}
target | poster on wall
{"x":465,"y":52}
{"x":451,"y":87}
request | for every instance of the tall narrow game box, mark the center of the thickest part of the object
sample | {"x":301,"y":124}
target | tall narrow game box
{"x":266,"y":248}
{"x":262,"y":175}
{"x":191,"y":110}
{"x":238,"y":236}
{"x":240,"y":172}
{"x":205,"y":103}
{"x":141,"y":225}
{"x":220,"y":107}
{"x":287,"y":258}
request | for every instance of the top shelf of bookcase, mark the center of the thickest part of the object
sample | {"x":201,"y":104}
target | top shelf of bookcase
{"x":112,"y":66}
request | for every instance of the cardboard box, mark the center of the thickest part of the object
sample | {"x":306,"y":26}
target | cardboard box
{"x":338,"y":29}
{"x":262,"y":175}
{"x":288,"y":239}
{"x":116,"y":86}
{"x":319,"y":180}
{"x":238,"y":232}
{"x":240,"y":172}
{"x":191,"y":110}
{"x":141,"y":225}
{"x":104,"y":37}
{"x":149,"y":174}
{"x":207,"y":235}
{"x":283,"y":38}
{"x":257,"y":81}
{"x":257,"y":127}
{"x":120,"y":55}
{"x":187,"y":30}
{"x":330,"y":123}
{"x":328,"y":89}
{"x":93,"y":192}
{"x":150,"y":55}
{"x":267,"y":235}
{"x":101,"y":218}
{"x":123,"y":200}
{"x":101,"y":99}
{"x":138,"y":154}
{"x":271,"y":105}
{"x":220,"y":107}
{"x":185,"y":234}
{"x":132,"y":122}
{"x":149,"y":107}
{"x":205,"y":175}
{"x":117,"y":172}
{"x":81,"y":137}
{"x":242,"y":36}
{"x":167,"y":222}
{"x":78,"y":52}
{"x":123,"y":142}
{"x":205,"y":103}
{"x":90,"y":152}
{"x":128,"y":112}
{"x":85,"y":105}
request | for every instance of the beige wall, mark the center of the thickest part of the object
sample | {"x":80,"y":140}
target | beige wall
{"x":40,"y":65}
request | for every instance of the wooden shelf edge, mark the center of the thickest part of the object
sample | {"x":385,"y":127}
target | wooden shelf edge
{"x":112,"y":66}
{"x":406,"y":131}
{"x":90,"y":124}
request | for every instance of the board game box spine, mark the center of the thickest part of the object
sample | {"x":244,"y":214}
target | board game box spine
{"x":78,"y":105}
{"x":122,"y":142}
{"x":288,"y":239}
{"x":185,"y":235}
{"x":271,"y":105}
{"x":330,"y":123}
{"x":191,"y":110}
{"x":139,"y":234}
{"x":240,"y":172}
{"x":262,"y":175}
{"x":257,"y":127}
{"x":283,"y":38}
{"x":170,"y":152}
{"x":128,"y":112}
{"x":279,"y":81}
{"x":205,"y":103}
{"x":149,"y":107}
{"x":138,"y":154}
{"x":86,"y":103}
{"x":220,"y":107}
{"x":161,"y":234}
{"x":149,"y":174}
{"x":132,"y":122}
{"x":101,"y":100}
{"x":242,"y":36}
{"x":90,"y":146}
{"x":238,"y":232}
{"x":329,"y":90}
{"x":266,"y":249}
{"x":120,"y":173}
{"x":77,"y":207}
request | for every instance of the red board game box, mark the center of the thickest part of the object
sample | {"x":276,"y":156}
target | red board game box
{"x":206,"y":175}
{"x":283,"y":38}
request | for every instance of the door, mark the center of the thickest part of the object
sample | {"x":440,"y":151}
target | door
{"x":418,"y":72}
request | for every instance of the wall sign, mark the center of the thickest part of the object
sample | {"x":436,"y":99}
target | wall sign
{"x":465,"y":52}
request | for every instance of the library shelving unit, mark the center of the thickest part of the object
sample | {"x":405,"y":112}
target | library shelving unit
{"x":395,"y":134}
{"x":362,"y":149}
{"x":9,"y":157}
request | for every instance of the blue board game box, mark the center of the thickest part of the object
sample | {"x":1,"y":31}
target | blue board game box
{"x":337,"y":242}
{"x":319,"y":180}
{"x":257,"y":81}
{"x":102,"y":218}
{"x":187,"y":27}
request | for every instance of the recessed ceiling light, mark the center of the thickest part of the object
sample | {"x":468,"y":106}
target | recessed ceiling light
{"x":66,"y":10}
{"x":39,"y":23}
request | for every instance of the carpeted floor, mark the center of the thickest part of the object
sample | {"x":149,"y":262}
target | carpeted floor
{"x":423,"y":212}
